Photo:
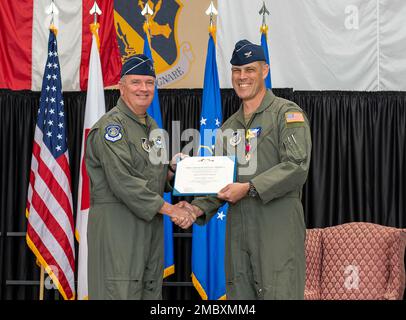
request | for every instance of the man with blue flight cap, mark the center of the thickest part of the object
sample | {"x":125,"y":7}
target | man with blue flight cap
{"x":125,"y":226}
{"x":265,"y":231}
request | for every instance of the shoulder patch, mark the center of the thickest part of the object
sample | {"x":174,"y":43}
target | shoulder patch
{"x":292,"y":117}
{"x":113,"y":133}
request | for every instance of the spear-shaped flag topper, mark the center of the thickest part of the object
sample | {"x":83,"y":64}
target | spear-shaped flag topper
{"x":95,"y":11}
{"x":263,"y":12}
{"x":147,"y":12}
{"x":212,"y":11}
{"x":52,"y":10}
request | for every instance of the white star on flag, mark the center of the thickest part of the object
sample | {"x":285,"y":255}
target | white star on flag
{"x":218,"y":123}
{"x":203,"y":121}
{"x":220,"y":215}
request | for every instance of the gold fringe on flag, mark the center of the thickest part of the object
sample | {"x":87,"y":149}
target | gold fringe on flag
{"x":93,"y":29}
{"x":53,"y":29}
{"x":212,"y":31}
{"x":264,"y":29}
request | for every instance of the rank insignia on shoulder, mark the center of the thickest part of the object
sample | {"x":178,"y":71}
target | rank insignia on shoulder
{"x":292,"y":117}
{"x":113,"y":133}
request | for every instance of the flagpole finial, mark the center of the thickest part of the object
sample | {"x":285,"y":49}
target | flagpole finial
{"x":146,"y":12}
{"x":212,"y":11}
{"x":264,"y":11}
{"x":52,"y":10}
{"x":95,"y":11}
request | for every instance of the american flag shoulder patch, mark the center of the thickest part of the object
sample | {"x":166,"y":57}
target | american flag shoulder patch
{"x":294,"y":117}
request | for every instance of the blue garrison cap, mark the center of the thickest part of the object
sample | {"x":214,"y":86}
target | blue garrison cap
{"x":246,"y":52}
{"x":138,"y":64}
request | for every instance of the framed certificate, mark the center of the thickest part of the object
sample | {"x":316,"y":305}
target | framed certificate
{"x":203,"y":175}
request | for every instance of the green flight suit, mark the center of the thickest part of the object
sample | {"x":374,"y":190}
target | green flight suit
{"x":265,"y":234}
{"x":125,"y":232}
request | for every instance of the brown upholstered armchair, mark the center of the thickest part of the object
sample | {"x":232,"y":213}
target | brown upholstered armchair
{"x":354,"y":261}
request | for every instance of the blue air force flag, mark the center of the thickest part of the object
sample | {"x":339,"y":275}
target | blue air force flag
{"x":155,"y":112}
{"x":208,"y":243}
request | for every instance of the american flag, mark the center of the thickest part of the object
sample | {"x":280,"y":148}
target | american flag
{"x":50,"y":227}
{"x":294,"y":117}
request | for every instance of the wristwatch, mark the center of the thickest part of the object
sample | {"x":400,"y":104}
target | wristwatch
{"x":252,"y":192}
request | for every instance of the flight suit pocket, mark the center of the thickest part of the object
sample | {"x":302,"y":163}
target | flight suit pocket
{"x":294,"y":149}
{"x":283,"y":284}
{"x":123,"y":289}
{"x":231,"y":289}
{"x":139,"y":162}
{"x":259,"y":290}
{"x":150,"y":285}
{"x":152,"y":290}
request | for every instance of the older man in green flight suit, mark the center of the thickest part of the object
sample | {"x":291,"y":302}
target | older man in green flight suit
{"x":265,"y":231}
{"x":125,"y":228}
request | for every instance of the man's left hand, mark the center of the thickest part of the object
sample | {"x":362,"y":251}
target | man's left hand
{"x":175,"y":159}
{"x":234,"y":192}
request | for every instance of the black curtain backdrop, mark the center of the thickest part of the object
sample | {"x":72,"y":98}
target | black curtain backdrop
{"x":357,"y":170}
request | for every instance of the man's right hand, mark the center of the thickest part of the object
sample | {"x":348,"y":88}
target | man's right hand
{"x":178,"y":214}
{"x":195,"y":211}
{"x":182,"y":217}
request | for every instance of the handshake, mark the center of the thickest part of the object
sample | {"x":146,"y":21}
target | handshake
{"x":184,"y":214}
